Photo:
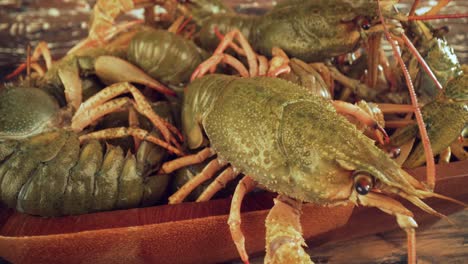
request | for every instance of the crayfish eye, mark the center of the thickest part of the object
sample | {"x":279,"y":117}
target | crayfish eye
{"x":363,"y":183}
{"x":364,"y":23}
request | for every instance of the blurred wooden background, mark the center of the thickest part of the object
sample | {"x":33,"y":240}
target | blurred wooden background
{"x":438,"y":242}
{"x":62,"y":23}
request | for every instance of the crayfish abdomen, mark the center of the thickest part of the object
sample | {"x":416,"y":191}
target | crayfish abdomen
{"x":51,"y":175}
{"x":165,"y":56}
{"x":47,"y":170}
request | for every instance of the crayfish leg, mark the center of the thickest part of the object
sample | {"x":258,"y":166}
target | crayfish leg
{"x":86,"y":118}
{"x":73,"y":87}
{"x":284,"y":241}
{"x":119,"y":132}
{"x":245,"y":185}
{"x":106,"y":36}
{"x":407,"y":223}
{"x":373,"y":59}
{"x":358,"y":113}
{"x":216,"y":59}
{"x":179,"y":24}
{"x":207,"y":173}
{"x":219,"y":182}
{"x":134,"y":123}
{"x":40,"y":50}
{"x":279,"y":63}
{"x":403,"y":216}
{"x":247,"y":48}
{"x":219,"y":55}
{"x":196,"y":158}
{"x":86,"y":112}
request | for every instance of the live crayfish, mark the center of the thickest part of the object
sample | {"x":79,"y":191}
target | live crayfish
{"x":49,"y":174}
{"x":308,"y":30}
{"x":319,"y":30}
{"x":151,"y":49}
{"x":84,"y":178}
{"x":445,"y":110}
{"x":132,"y":56}
{"x":289,"y":155}
{"x":282,"y":143}
{"x":44,"y":172}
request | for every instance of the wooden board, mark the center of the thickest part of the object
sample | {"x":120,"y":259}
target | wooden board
{"x":192,"y":232}
{"x":185,"y":233}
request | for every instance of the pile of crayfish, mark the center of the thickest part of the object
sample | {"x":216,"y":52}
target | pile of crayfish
{"x":301,"y":101}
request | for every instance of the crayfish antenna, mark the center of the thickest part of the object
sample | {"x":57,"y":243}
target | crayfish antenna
{"x":427,"y":194}
{"x":413,"y":8}
{"x":430,"y":164}
{"x":433,"y":17}
{"x":426,"y":208}
{"x":420,"y":59}
{"x":440,"y":4}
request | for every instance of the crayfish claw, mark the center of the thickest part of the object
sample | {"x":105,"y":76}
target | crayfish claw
{"x":284,"y":241}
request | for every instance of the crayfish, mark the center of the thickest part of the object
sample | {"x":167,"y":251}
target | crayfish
{"x":278,"y":134}
{"x":57,"y":145}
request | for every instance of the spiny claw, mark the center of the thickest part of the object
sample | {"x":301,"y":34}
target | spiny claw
{"x":111,"y":69}
{"x":284,"y":241}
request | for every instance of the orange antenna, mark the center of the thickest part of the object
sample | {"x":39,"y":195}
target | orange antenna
{"x":430,"y":165}
{"x":433,"y":17}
